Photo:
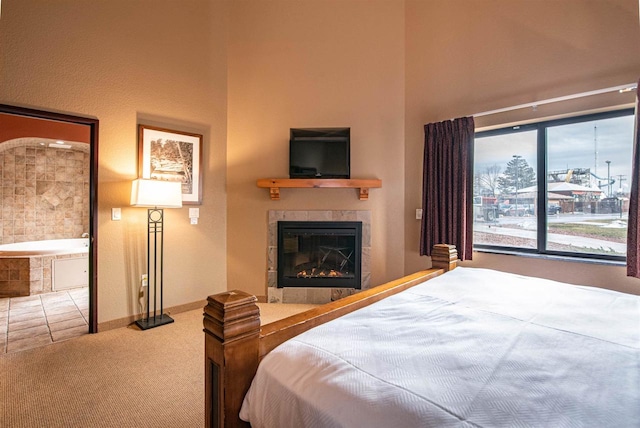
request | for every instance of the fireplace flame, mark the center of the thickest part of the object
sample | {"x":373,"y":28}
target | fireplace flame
{"x":317,"y":272}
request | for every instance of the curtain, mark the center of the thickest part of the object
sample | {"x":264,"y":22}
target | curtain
{"x":447,"y":186}
{"x":633,"y":230}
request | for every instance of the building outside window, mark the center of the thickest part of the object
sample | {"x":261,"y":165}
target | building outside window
{"x":557,"y":187}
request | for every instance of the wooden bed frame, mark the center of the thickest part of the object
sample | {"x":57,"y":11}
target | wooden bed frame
{"x":235,"y":342}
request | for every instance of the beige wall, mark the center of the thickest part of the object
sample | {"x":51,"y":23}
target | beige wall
{"x":382,"y":67}
{"x":160,"y":62}
{"x":465,"y":57}
{"x":330,"y":63}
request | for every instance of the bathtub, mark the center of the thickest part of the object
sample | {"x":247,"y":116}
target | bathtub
{"x":28,"y":268}
{"x":49,"y":247}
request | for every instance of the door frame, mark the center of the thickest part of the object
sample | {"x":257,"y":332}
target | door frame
{"x":93,"y":124}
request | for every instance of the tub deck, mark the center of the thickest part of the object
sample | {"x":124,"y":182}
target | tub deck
{"x":27,"y":268}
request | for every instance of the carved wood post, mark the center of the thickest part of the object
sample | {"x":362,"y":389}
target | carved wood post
{"x":444,"y":256}
{"x":232,"y":332}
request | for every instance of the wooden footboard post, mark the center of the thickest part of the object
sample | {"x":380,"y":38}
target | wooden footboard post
{"x":232,"y":331}
{"x":444,"y":256}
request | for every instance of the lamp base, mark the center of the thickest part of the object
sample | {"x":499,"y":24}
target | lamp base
{"x":157,"y":321}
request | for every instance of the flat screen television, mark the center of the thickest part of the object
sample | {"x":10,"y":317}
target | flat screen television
{"x":319,"y":153}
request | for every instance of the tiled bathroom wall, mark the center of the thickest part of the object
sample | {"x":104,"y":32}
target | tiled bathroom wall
{"x":44,"y":193}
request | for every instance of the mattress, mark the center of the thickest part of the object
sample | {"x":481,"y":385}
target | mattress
{"x":473,"y":347}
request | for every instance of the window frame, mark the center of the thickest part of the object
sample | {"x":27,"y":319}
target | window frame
{"x":541,"y":181}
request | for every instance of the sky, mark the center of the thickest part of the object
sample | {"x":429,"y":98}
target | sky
{"x":581,"y":145}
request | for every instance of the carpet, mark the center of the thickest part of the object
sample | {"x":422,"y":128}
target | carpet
{"x":118,"y":378}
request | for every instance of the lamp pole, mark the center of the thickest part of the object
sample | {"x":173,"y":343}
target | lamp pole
{"x":517,"y":158}
{"x":608,"y":178}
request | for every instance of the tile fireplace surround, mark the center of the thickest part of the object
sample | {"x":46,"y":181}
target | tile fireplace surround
{"x":315,"y":294}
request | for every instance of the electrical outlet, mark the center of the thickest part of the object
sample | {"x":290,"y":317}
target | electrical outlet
{"x":144,"y":280}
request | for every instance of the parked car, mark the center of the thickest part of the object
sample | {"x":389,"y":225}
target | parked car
{"x":503,"y":209}
{"x":553,"y":209}
{"x":520,"y":210}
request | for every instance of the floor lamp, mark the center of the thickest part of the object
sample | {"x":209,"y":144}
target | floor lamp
{"x":156,"y":195}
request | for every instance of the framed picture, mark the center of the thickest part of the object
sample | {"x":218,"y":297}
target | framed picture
{"x":169,"y":155}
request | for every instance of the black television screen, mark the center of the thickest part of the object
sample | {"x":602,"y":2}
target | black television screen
{"x":319,"y":153}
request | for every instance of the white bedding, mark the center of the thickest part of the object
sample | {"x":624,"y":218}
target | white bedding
{"x":473,"y":347}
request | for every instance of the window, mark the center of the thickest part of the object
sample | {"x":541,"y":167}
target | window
{"x":556,"y":187}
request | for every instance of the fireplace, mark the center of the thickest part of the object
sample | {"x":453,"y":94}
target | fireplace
{"x":319,"y":254}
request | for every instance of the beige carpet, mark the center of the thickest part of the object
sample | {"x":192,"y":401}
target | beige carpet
{"x":119,"y":378}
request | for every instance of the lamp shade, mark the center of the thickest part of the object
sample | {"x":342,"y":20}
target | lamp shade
{"x":156,"y":193}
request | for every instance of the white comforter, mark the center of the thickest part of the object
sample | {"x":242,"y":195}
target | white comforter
{"x":474,"y":347}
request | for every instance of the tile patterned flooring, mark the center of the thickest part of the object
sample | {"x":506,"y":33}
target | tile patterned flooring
{"x":33,"y":321}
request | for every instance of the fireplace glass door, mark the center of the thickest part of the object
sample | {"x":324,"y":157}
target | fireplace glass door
{"x":319,"y":254}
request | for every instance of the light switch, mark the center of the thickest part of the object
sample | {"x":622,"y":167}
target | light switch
{"x":194,"y":212}
{"x":116,"y":214}
{"x":419,"y":214}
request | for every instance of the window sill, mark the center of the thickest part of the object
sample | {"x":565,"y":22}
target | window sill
{"x":555,"y":257}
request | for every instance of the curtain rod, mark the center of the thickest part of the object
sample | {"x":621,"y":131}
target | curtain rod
{"x":621,"y":89}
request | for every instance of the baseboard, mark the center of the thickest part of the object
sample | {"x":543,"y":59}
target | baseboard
{"x":126,"y":321}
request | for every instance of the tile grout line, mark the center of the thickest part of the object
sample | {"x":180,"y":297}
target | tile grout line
{"x":78,"y":307}
{"x":46,"y":319}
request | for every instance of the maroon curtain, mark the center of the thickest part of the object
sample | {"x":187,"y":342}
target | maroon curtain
{"x":447,"y":186}
{"x":633,"y":231}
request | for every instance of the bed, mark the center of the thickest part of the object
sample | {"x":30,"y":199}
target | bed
{"x":471,"y":347}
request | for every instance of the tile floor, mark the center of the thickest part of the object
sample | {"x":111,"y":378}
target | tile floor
{"x":32,"y":321}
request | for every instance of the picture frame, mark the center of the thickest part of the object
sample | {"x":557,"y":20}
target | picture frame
{"x":166,"y":154}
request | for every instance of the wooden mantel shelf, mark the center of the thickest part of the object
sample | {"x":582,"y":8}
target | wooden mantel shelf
{"x":274,"y":184}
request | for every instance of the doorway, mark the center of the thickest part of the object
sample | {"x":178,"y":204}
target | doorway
{"x":19,"y":123}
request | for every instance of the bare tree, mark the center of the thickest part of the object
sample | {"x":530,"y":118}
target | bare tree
{"x":487,"y":180}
